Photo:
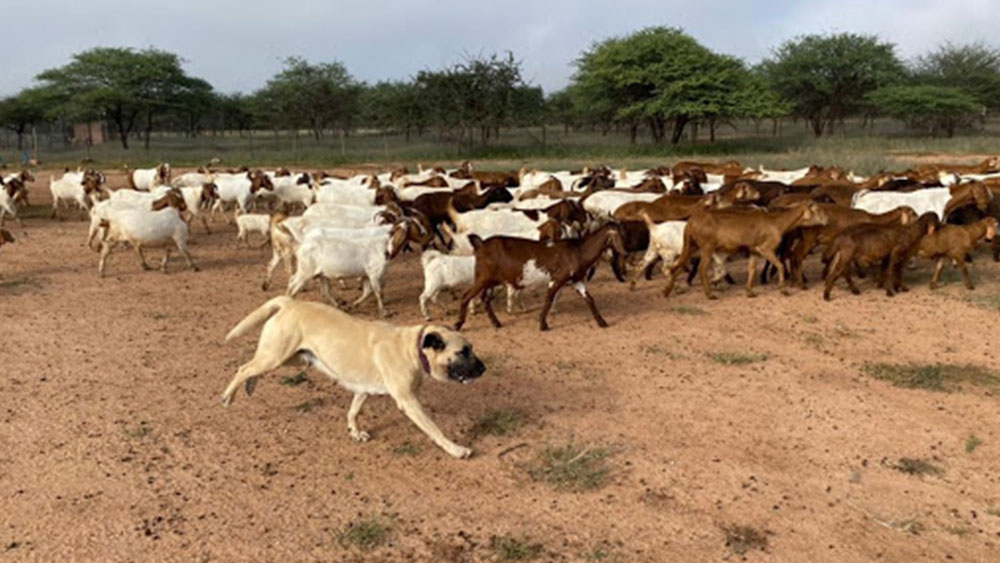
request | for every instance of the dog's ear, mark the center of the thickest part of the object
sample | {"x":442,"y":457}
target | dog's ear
{"x":433,"y":340}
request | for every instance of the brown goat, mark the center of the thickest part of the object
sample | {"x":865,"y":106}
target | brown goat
{"x":677,"y":207}
{"x":955,"y":242}
{"x":520,"y":262}
{"x":732,"y":167}
{"x":730,"y":230}
{"x":887,"y":246}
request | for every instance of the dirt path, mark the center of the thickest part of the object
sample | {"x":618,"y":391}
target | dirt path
{"x":114,"y":446}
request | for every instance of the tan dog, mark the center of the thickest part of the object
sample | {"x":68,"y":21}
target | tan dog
{"x":366,"y":357}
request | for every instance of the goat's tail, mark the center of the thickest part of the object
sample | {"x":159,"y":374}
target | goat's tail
{"x":259,"y":316}
{"x":645,"y":217}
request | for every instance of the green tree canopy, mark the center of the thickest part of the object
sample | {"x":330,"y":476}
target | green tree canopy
{"x":974,"y":68}
{"x":826,"y":77}
{"x":930,"y":107}
{"x":317,"y":96}
{"x":121,"y":85}
{"x":658,"y":75}
{"x":29,"y":107}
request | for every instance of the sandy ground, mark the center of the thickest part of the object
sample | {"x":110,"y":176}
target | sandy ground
{"x":114,"y":446}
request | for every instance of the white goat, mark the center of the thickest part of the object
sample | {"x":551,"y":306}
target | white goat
{"x":192,"y":179}
{"x":337,"y":258}
{"x":146,"y":179}
{"x":79,"y":187}
{"x":666,"y":241}
{"x":12,"y":192}
{"x":448,"y":271}
{"x":602,"y":205}
{"x":922,"y":201}
{"x":247,"y":223}
{"x":145,"y":228}
{"x":240,"y":189}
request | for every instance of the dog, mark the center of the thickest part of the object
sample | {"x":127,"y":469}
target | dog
{"x":366,"y":357}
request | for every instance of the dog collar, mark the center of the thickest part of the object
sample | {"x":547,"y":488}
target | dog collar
{"x":425,"y":364}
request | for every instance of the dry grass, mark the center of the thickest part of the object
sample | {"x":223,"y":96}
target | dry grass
{"x":507,"y":548}
{"x":502,"y":422}
{"x":917,"y":466}
{"x":737,"y":358}
{"x":742,"y":539}
{"x":372,"y":531}
{"x":294,"y":380}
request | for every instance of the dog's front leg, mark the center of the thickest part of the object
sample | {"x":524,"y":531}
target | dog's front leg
{"x":352,"y":418}
{"x":409,"y":405}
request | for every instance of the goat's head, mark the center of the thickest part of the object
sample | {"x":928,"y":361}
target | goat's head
{"x":209,"y":192}
{"x":304,"y":179}
{"x":258,"y":181}
{"x":991,"y":228}
{"x":812,"y":215}
{"x":397,"y":174}
{"x":172,"y":198}
{"x":385,"y":196}
{"x":282,"y":172}
{"x":163,"y":173}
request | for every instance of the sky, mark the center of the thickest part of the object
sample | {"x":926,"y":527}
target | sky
{"x":238,"y":44}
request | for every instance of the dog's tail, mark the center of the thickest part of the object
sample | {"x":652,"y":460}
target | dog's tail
{"x":258,"y":317}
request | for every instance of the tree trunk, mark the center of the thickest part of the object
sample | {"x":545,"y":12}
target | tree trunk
{"x":679,"y":123}
{"x":149,"y":127}
{"x":633,"y":130}
{"x":711,"y":130}
{"x":817,"y":122}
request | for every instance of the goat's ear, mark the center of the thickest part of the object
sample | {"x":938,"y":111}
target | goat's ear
{"x":434,"y":341}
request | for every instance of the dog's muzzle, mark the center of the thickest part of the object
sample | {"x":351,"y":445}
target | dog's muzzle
{"x":464,"y":371}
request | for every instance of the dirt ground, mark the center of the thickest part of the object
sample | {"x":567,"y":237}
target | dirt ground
{"x":114,"y":445}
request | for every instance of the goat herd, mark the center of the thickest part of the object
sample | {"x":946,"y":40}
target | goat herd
{"x":482,"y":230}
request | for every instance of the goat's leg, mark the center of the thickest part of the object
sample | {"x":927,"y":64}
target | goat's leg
{"x":550,"y":296}
{"x":166,"y":258}
{"x":204,"y":222}
{"x":965,"y":273}
{"x":771,"y":257}
{"x":582,"y":290}
{"x":937,"y":272}
{"x":376,"y":285}
{"x":326,"y":288}
{"x":703,"y":267}
{"x":751,"y":272}
{"x":142,"y":259}
{"x":995,"y":245}
{"x":833,"y":269}
{"x":511,"y":294}
{"x":463,"y":310}
{"x":428,"y":294}
{"x":55,"y":208}
{"x":182,"y":246}
{"x":366,"y":290}
{"x":647,"y":259}
{"x":275,"y":258}
{"x":487,"y":299}
{"x":105,"y":251}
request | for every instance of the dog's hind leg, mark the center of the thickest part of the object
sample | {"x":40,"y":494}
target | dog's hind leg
{"x":352,"y":418}
{"x":271,"y":354}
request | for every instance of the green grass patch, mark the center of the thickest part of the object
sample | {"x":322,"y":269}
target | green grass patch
{"x":372,"y":531}
{"x":814,"y":340}
{"x":309,"y":405}
{"x":742,"y":539}
{"x":688,"y":310}
{"x":959,"y":531}
{"x":931,"y":377}
{"x":18,"y":282}
{"x":810,"y":319}
{"x":737,"y":358}
{"x":503,"y":422}
{"x":993,"y":511}
{"x":406,"y":448}
{"x":572,"y":466}
{"x":137,"y":432}
{"x":917,"y":466}
{"x":991,"y":302}
{"x":507,"y":548}
{"x":971,"y":443}
{"x":295,"y":380}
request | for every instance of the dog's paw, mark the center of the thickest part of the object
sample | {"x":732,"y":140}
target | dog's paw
{"x":359,"y":436}
{"x":461,"y":452}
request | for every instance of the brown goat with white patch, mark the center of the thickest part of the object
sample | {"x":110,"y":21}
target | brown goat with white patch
{"x":522,"y":263}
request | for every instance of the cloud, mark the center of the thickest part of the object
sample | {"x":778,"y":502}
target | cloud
{"x":237,"y":45}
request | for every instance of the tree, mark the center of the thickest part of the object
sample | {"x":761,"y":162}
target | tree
{"x":317,"y":96}
{"x":23,"y":110}
{"x":660,"y":76}
{"x":929,"y":107}
{"x":121,"y":85}
{"x":826,"y":78}
{"x":394,"y":105}
{"x":974,"y":68}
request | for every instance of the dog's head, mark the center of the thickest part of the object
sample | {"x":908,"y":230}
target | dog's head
{"x":447,"y":355}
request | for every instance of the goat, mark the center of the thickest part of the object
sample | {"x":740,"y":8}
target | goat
{"x":240,"y":189}
{"x":247,"y":223}
{"x":666,"y":242}
{"x":522,"y":263}
{"x":12,"y":194}
{"x":955,"y":242}
{"x":157,"y":226}
{"x":676,"y":207}
{"x":731,"y":230}
{"x":193,"y":179}
{"x":940,"y":201}
{"x":198,"y":199}
{"x":145,"y":179}
{"x":334,"y":257}
{"x":79,"y":187}
{"x":447,"y":271}
{"x":889,"y":246}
